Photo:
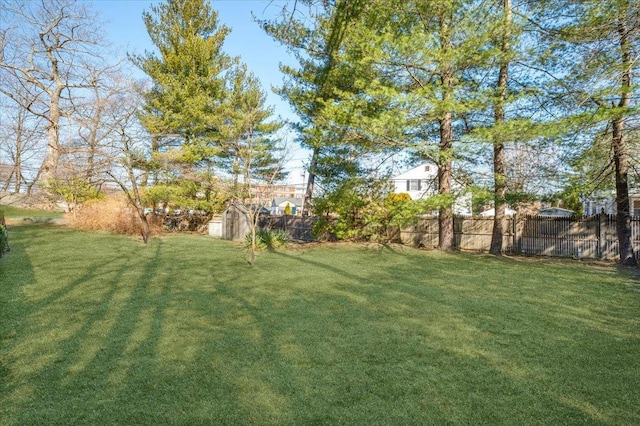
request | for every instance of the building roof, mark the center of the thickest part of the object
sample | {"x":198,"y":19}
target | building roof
{"x":555,"y":211}
{"x":419,"y":172}
{"x":294,"y":201}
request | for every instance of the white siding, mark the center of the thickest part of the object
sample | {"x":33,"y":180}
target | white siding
{"x":422,"y":182}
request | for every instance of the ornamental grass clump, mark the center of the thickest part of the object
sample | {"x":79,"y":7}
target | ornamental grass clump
{"x":112,"y":214}
{"x":267,"y":239}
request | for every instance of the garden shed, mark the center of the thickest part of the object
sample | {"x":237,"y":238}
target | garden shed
{"x":236,"y":222}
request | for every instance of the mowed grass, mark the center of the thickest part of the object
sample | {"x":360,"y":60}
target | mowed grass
{"x":21,"y":215}
{"x":99,"y":329}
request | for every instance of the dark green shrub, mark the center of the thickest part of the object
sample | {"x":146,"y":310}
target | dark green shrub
{"x":4,"y":239}
{"x":368,"y":211}
{"x":267,"y":239}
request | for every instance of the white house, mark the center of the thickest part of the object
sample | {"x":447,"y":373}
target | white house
{"x":419,"y":182}
{"x":422,"y":182}
{"x":605,"y":202}
{"x":279,"y":205}
{"x":492,"y":212}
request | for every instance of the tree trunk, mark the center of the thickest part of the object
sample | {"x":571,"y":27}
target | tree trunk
{"x":90,"y":172}
{"x":134,"y":198}
{"x":254,"y":236}
{"x":446,"y":236}
{"x":18,"y":171}
{"x":311,"y":181}
{"x":34,"y":182}
{"x":497,"y":235}
{"x":145,"y":230}
{"x":7,"y":182}
{"x":499,"y":174}
{"x":50,"y":164}
{"x":623,"y":218}
{"x":445,"y":217}
{"x":620,"y":156}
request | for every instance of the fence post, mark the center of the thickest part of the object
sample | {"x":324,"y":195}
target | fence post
{"x":601,"y":240}
{"x":516,"y":237}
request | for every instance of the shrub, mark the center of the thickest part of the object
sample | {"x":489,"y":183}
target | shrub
{"x":365,"y":210}
{"x":347,"y":202}
{"x":267,"y":239}
{"x":185,"y":220}
{"x":74,"y":190}
{"x":4,"y":239}
{"x":369,"y":212}
{"x":277,"y":238}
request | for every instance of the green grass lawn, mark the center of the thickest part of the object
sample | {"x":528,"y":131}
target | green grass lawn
{"x":17,"y":214}
{"x":99,"y":329}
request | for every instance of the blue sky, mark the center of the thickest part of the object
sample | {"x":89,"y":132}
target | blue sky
{"x":259,"y":51}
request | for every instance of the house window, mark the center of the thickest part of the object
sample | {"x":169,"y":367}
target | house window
{"x":414,"y":185}
{"x":636,"y":207}
{"x":427,"y":168}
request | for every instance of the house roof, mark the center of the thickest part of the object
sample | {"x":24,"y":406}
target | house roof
{"x":282,"y":200}
{"x":244,"y":209}
{"x":555,"y":211}
{"x":236,"y":206}
{"x":418,"y":172}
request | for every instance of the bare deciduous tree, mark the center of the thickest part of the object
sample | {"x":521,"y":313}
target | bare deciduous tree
{"x":47,"y":50}
{"x":128,"y":147}
{"x":88,"y":154}
{"x":20,"y":146}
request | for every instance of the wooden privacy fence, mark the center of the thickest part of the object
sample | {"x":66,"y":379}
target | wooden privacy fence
{"x":592,"y":237}
{"x":298,"y":228}
{"x":587,"y":237}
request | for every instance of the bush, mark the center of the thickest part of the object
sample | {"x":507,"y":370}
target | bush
{"x":74,"y":190}
{"x":348,"y":203}
{"x":267,"y":239}
{"x":366,"y":211}
{"x":4,"y":239}
{"x":192,"y":221}
{"x":371,"y":213}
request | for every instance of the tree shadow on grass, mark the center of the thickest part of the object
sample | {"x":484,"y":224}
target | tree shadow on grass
{"x":116,"y":348}
{"x":362,"y":337}
{"x":535,"y":365}
{"x":59,"y":367}
{"x":122,"y":347}
{"x":16,"y":272}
